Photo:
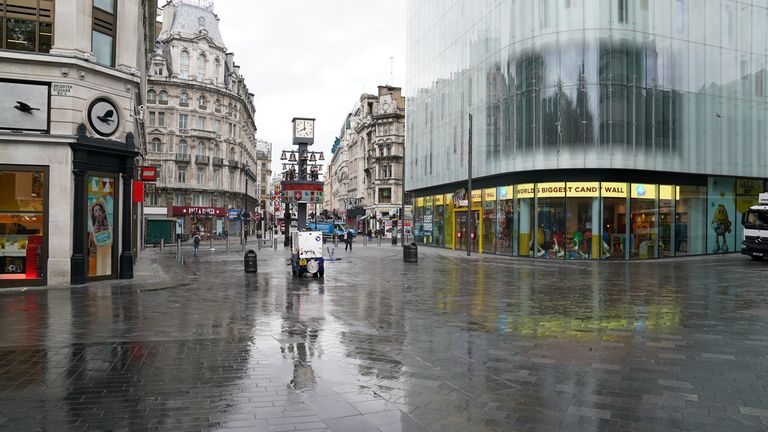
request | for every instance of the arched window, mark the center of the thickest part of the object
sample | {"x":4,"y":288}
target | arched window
{"x":201,"y":148}
{"x":163,"y":97}
{"x":232,"y":153}
{"x":216,"y":70}
{"x":183,"y":99}
{"x":201,"y":63}
{"x":151,"y":97}
{"x":184,"y":64}
{"x":216,"y":151}
{"x":157,"y":145}
{"x":217,"y":105}
{"x":202,"y":102}
{"x":183,"y":147}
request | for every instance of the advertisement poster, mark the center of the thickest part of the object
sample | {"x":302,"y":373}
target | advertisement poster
{"x":101,"y":207}
{"x":721,"y":215}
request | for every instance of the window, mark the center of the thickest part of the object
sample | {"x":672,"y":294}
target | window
{"x":679,"y":17}
{"x":623,"y":11}
{"x":22,"y":211}
{"x":184,"y":99}
{"x":217,"y":126}
{"x":200,"y":176}
{"x":183,"y":121}
{"x":151,"y":97}
{"x":729,"y":26}
{"x":152,"y":118}
{"x":201,"y":149}
{"x":158,"y":70}
{"x":202,"y":102}
{"x":163,"y":97}
{"x":200,"y":199}
{"x":182,"y":177}
{"x":389,"y":150}
{"x":232,"y":181}
{"x":184,"y":64}
{"x":29,"y":25}
{"x":217,"y":177}
{"x":216,"y":70}
{"x":157,"y":145}
{"x":217,"y":106}
{"x":201,"y":123}
{"x":103,"y":31}
{"x":201,"y":61}
{"x":161,"y":119}
{"x":151,"y":199}
{"x":217,"y":151}
{"x":385,"y":195}
{"x":182,"y":147}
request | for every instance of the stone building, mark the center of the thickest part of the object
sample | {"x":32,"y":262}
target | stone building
{"x":365,"y":172}
{"x":201,"y":131}
{"x":71,"y":88}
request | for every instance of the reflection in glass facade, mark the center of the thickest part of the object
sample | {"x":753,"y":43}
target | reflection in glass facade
{"x":663,"y":101}
{"x":638,"y":84}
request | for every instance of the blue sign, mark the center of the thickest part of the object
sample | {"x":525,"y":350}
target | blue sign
{"x":233,"y":214}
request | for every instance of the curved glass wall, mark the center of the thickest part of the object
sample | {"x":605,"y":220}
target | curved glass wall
{"x":675,"y":85}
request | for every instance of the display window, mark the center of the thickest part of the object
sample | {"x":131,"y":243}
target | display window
{"x":613,"y":244}
{"x":582,"y":220}
{"x":643,"y":221}
{"x":439,"y":217}
{"x":690,"y":221}
{"x":23,"y":225}
{"x":489,"y":221}
{"x":101,"y":225}
{"x":667,"y":198}
{"x":721,"y":210}
{"x":550,"y":219}
{"x":448,"y":224}
{"x":525,"y":194}
{"x":505,"y":221}
{"x":427,"y":220}
{"x":418,"y":233}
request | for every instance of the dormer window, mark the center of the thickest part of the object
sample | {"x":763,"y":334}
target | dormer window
{"x":184,"y":64}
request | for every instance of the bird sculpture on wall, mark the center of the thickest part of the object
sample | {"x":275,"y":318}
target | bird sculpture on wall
{"x":107,"y":117}
{"x":25,"y":108}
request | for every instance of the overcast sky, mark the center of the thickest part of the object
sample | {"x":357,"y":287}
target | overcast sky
{"x":311,"y":58}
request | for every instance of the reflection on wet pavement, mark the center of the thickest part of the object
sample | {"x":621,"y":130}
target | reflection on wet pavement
{"x":448,"y":344}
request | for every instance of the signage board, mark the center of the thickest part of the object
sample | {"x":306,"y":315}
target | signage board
{"x":148,"y":173}
{"x":525,"y":190}
{"x":199,"y":211}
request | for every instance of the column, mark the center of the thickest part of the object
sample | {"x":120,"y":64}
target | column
{"x":77,"y":272}
{"x":126,"y":255}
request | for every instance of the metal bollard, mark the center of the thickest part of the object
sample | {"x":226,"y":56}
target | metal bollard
{"x":274,"y":243}
{"x":211,"y":244}
{"x":259,"y":241}
{"x":162,"y":243}
{"x":227,"y":243}
{"x":379,"y":240}
{"x":335,"y":240}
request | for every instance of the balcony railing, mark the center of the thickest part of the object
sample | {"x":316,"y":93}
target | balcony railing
{"x":182,"y":158}
{"x":183,"y":131}
{"x":217,"y":161}
{"x":183,"y":104}
{"x":233,"y":163}
{"x":202,"y":133}
{"x":201,"y":159}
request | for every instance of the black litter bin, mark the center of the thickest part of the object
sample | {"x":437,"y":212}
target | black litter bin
{"x":410,"y":253}
{"x":249,"y":262}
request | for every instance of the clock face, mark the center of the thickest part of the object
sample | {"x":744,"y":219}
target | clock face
{"x":104,"y":117}
{"x":304,"y":129}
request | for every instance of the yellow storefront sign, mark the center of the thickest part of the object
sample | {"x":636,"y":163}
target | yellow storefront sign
{"x":550,"y":190}
{"x":477,"y":195}
{"x":643,"y":191}
{"x":613,"y":190}
{"x":428,"y":201}
{"x":506,"y":193}
{"x":439,"y":199}
{"x":666,"y":192}
{"x":489,"y":194}
{"x":525,"y":190}
{"x":448,"y":198}
{"x":420,"y":202}
{"x":583,"y":189}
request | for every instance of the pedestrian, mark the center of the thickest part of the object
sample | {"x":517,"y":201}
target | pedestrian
{"x":196,"y":243}
{"x":370,"y":234}
{"x":348,"y":240}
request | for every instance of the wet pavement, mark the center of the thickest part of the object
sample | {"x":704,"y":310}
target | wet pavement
{"x":449,"y":344}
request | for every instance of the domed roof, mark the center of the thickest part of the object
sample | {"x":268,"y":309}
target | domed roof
{"x":191,"y":20}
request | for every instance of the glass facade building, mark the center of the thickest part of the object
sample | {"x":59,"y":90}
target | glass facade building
{"x":600,"y":128}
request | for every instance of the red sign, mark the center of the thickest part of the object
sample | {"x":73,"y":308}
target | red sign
{"x":148,"y":173}
{"x":199,"y":211}
{"x":138,"y":192}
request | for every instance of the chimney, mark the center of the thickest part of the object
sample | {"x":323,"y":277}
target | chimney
{"x":169,"y":12}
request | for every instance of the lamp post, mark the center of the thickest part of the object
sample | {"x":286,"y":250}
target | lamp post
{"x":246,"y":224}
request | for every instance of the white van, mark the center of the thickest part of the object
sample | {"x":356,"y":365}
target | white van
{"x":754,"y":242}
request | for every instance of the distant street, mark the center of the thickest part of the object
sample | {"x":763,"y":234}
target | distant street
{"x":452,"y":343}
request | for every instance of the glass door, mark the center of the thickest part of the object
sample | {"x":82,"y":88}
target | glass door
{"x":102,"y":226}
{"x":462,"y":233}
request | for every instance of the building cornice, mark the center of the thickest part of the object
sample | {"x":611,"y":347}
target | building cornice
{"x":197,"y":85}
{"x":69,"y":61}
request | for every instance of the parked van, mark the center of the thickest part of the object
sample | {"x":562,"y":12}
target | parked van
{"x":754,"y":241}
{"x":331,"y":228}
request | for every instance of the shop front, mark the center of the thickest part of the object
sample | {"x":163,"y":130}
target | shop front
{"x":23,"y":225}
{"x":591,"y":220}
{"x":203,"y":220}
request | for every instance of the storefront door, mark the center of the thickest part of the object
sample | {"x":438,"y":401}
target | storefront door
{"x":101,"y":242}
{"x":461,"y":234}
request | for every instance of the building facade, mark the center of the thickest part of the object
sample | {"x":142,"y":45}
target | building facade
{"x":201,"y":131}
{"x":364,"y":181}
{"x":600,"y":129}
{"x":71,"y":88}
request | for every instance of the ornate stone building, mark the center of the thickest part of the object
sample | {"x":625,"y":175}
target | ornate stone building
{"x":71,"y":90}
{"x":365,"y":172}
{"x":200,"y":126}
